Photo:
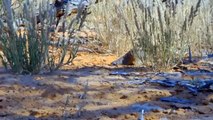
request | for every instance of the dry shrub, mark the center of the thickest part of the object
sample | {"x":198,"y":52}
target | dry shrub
{"x":160,"y":33}
{"x":32,"y":51}
{"x":109,"y":27}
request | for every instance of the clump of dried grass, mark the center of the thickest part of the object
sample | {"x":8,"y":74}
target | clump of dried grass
{"x":159,"y":33}
{"x":109,"y":27}
{"x":32,"y":51}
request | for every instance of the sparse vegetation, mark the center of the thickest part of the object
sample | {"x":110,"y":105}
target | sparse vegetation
{"x":153,"y":34}
{"x":160,"y":33}
{"x":31,"y":50}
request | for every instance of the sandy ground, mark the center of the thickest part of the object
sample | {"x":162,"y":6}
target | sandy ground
{"x":90,"y":89}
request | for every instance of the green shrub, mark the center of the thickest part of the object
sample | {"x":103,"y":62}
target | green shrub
{"x":32,"y":51}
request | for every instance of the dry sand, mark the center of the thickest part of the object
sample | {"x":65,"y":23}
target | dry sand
{"x":88,"y":90}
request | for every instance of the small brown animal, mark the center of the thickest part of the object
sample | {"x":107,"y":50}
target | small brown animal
{"x":126,"y":59}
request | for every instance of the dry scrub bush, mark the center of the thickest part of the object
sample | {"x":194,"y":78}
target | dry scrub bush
{"x":31,"y":51}
{"x":109,"y":27}
{"x":160,"y":33}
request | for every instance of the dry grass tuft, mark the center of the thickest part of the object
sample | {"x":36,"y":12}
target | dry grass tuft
{"x":160,"y":33}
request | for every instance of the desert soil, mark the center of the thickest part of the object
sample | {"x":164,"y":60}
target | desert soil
{"x":91,"y":89}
